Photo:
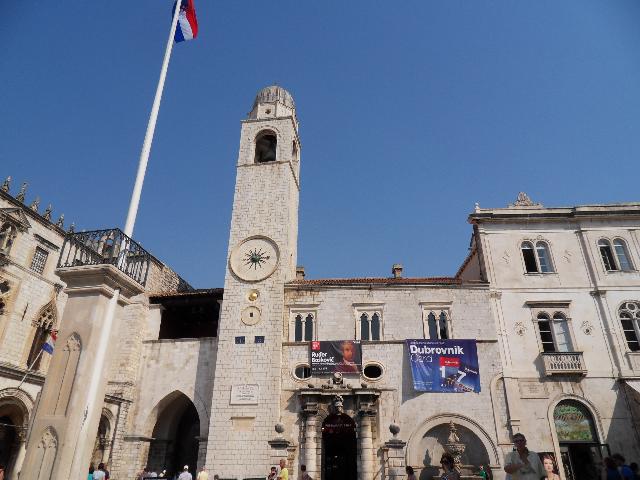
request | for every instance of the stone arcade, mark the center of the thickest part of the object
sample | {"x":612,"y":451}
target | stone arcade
{"x":221,"y":377}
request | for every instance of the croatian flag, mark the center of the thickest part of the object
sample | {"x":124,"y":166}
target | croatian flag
{"x":48,"y":345}
{"x":187,"y":28}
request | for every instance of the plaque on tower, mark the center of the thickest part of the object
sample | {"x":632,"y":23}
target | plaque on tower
{"x":244,"y":394}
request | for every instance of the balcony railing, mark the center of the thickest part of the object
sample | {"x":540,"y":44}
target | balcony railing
{"x":106,"y":247}
{"x":562,"y":363}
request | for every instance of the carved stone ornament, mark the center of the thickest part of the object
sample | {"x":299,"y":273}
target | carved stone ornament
{"x":394,"y":428}
{"x":6,"y":185}
{"x":73,"y":343}
{"x":22,"y":192}
{"x":48,"y":439}
{"x":35,"y":204}
{"x":338,"y":403}
{"x":47,"y":212}
{"x":520,"y":328}
{"x":586,"y":327}
{"x":454,"y":446}
{"x":60,"y":222}
{"x":523,"y":200}
{"x":567,"y":256}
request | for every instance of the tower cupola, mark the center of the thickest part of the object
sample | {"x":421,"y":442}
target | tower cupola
{"x":273,"y":102}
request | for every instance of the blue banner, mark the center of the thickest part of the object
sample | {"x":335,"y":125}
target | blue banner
{"x":447,"y":366}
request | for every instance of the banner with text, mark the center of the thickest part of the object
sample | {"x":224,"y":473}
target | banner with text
{"x":344,"y":356}
{"x":449,"y":366}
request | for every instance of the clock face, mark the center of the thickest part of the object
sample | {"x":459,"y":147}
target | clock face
{"x":254,"y":259}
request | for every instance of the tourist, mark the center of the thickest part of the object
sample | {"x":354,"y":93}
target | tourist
{"x":634,"y":468}
{"x":624,"y":469}
{"x":610,"y":470}
{"x":482,"y":472}
{"x":522,"y":463}
{"x":273,"y":474}
{"x":185,"y":475}
{"x":304,"y":475}
{"x":448,"y":465}
{"x":1,"y":472}
{"x":549,"y":464}
{"x":91,"y":469}
{"x":99,"y":474}
{"x":284,"y":472}
{"x":202,"y":474}
{"x":106,"y":472}
{"x":410,"y":474}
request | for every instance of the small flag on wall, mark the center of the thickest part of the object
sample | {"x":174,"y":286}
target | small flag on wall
{"x":187,"y":28}
{"x":48,"y":345}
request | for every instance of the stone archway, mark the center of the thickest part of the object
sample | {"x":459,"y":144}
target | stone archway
{"x":175,"y":435}
{"x":15,"y":406}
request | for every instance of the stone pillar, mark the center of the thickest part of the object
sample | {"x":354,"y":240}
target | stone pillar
{"x":202,"y":451}
{"x":17,"y":461}
{"x":310,"y":458}
{"x":63,"y":412}
{"x":365,"y":447}
{"x":394,"y":460}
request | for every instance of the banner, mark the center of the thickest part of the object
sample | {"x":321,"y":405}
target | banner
{"x":344,"y":356}
{"x":447,"y":366}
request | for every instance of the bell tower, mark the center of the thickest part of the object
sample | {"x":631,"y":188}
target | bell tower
{"x":261,"y":257}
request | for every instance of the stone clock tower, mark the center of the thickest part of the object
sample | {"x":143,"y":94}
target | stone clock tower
{"x":261,"y":259}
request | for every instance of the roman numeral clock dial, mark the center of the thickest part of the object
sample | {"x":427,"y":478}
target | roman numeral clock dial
{"x":254,"y":259}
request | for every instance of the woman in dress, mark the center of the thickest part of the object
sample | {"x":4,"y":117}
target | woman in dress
{"x":448,"y":463}
{"x":549,"y":464}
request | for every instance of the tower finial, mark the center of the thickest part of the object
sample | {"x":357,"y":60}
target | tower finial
{"x":6,"y":185}
{"x":35,"y":204}
{"x":47,"y":212}
{"x":22,"y":192}
{"x":60,"y":222}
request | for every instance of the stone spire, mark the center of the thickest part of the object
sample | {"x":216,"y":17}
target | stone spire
{"x":22,"y":192}
{"x":47,"y":212}
{"x":35,"y":205}
{"x":60,"y":222}
{"x":6,"y":185}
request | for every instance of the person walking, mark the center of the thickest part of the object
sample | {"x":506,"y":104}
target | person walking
{"x":91,"y":470}
{"x":303,"y":473}
{"x":273,"y":474}
{"x":482,"y":472}
{"x":99,"y":474}
{"x":284,"y":472}
{"x":623,"y":468}
{"x":185,"y":475}
{"x":448,"y":465}
{"x":410,"y":473}
{"x":522,"y":463}
{"x":202,"y":474}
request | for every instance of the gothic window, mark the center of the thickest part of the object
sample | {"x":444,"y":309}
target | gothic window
{"x":303,"y":326}
{"x":436,"y":324}
{"x":7,"y":235}
{"x":536,"y":259}
{"x":554,"y":332}
{"x":45,"y":454}
{"x":266,"y":147}
{"x":615,"y":258}
{"x":39,"y":260}
{"x":629,"y":314}
{"x":370,"y":326}
{"x":44,"y":324}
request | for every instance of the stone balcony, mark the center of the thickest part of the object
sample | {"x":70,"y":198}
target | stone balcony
{"x":563,"y":363}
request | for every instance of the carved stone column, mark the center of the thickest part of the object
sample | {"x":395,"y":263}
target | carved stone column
{"x":394,"y":461}
{"x":365,"y":446}
{"x":21,"y":441}
{"x":310,"y":458}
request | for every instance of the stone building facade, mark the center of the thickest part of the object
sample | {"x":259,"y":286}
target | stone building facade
{"x":221,"y":377}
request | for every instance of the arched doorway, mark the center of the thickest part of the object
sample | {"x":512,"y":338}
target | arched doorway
{"x":578,"y":439}
{"x":12,"y":422}
{"x":339,"y":449}
{"x":103,"y":442}
{"x":175,"y":442}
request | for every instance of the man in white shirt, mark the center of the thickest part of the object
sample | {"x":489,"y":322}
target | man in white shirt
{"x":185,"y":475}
{"x":99,"y":474}
{"x":523,"y":464}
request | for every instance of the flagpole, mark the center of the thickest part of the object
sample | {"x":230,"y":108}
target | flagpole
{"x":151,"y":127}
{"x":107,"y":325}
{"x":29,"y":369}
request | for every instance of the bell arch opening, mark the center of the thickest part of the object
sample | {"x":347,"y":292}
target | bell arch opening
{"x":266,"y":147}
{"x":175,"y":437}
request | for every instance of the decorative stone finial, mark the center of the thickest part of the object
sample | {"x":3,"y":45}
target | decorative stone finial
{"x":22,"y":192}
{"x":47,"y":212}
{"x":72,"y":228}
{"x":60,"y":222}
{"x":523,"y":200}
{"x":394,"y":428}
{"x":476,"y":207}
{"x":279,"y":428}
{"x":453,"y":433}
{"x":454,"y":446}
{"x":35,"y":204}
{"x":6,"y":185}
{"x":338,"y":403}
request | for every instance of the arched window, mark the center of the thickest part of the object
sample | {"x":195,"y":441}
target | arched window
{"x":574,"y":422}
{"x":433,"y":326}
{"x":364,"y":327}
{"x":607,"y":255}
{"x":375,"y":327}
{"x":266,"y":147}
{"x":544,"y":258}
{"x":554,"y":333}
{"x":303,"y":326}
{"x":298,"y":328}
{"x":442,"y":322}
{"x":629,"y":314}
{"x":622,"y":255}
{"x":538,"y":259}
{"x":308,"y":328}
{"x":7,"y":235}
{"x":44,"y":324}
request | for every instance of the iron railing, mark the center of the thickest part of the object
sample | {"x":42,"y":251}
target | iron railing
{"x":106,"y":247}
{"x":563,"y":363}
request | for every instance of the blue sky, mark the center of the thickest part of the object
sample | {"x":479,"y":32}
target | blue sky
{"x":410,"y":113}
